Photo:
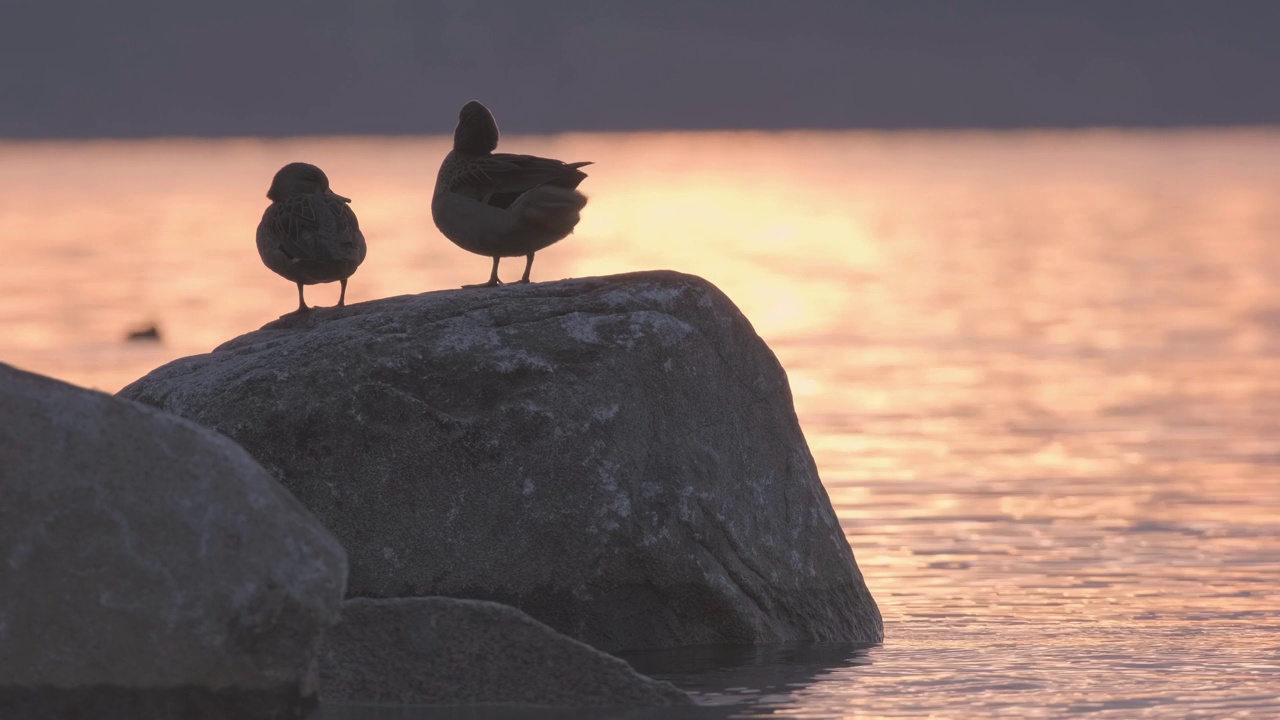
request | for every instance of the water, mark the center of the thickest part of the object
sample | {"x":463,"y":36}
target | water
{"x":1040,"y":373}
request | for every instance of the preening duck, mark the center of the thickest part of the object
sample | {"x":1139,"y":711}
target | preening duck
{"x":502,"y":205}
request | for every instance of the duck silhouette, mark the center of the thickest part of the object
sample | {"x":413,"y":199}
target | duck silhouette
{"x":309,"y":234}
{"x":502,"y":205}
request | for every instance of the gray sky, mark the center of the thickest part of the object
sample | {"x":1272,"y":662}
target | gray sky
{"x":127,"y":68}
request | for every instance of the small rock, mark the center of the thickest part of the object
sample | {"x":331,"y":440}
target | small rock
{"x":442,"y":651}
{"x":150,"y":333}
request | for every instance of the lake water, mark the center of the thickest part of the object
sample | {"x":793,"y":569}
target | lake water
{"x":1040,"y":372}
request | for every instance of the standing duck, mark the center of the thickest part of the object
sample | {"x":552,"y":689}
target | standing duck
{"x":309,"y":234}
{"x":502,"y":205}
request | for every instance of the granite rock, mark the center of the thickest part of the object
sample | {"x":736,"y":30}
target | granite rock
{"x":441,"y":651}
{"x":149,"y":567}
{"x":618,"y":457}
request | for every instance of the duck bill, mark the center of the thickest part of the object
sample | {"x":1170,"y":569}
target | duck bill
{"x":343,"y":199}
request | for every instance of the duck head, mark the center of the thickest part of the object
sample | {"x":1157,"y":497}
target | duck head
{"x":300,"y":179}
{"x":477,"y":131}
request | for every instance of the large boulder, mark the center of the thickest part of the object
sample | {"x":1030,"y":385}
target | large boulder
{"x":149,"y":567}
{"x":408,"y":651}
{"x":619,"y":457}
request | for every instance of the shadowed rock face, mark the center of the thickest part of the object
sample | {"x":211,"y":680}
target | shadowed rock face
{"x":444,"y":651}
{"x":618,"y":457}
{"x":149,"y":567}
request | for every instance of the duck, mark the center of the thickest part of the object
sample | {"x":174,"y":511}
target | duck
{"x":309,"y":234}
{"x":499,"y":204}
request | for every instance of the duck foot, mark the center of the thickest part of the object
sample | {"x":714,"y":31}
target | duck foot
{"x":528,"y":265}
{"x":342,"y":297}
{"x":302,"y":304}
{"x":493,"y":276}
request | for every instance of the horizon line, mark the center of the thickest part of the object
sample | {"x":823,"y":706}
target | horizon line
{"x":1082,"y":128}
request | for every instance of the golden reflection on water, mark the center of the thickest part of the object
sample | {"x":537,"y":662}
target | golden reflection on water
{"x":1040,"y":372}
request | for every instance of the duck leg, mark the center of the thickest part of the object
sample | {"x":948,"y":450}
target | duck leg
{"x":302,"y":305}
{"x":342,"y":296}
{"x":493,"y":277}
{"x":528,"y":265}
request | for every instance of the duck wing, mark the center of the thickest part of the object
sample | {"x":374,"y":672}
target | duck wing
{"x":317,"y":228}
{"x":500,"y":178}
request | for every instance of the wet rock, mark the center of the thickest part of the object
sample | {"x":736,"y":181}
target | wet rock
{"x":149,"y":567}
{"x":445,"y":652}
{"x":618,"y":457}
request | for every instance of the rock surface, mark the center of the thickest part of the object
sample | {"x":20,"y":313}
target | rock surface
{"x":446,"y":652}
{"x":149,"y":567}
{"x":619,"y":457}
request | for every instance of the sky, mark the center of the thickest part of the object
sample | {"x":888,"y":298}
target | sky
{"x":144,"y":68}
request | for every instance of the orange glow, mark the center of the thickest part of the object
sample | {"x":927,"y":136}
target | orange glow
{"x":1040,"y":373}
